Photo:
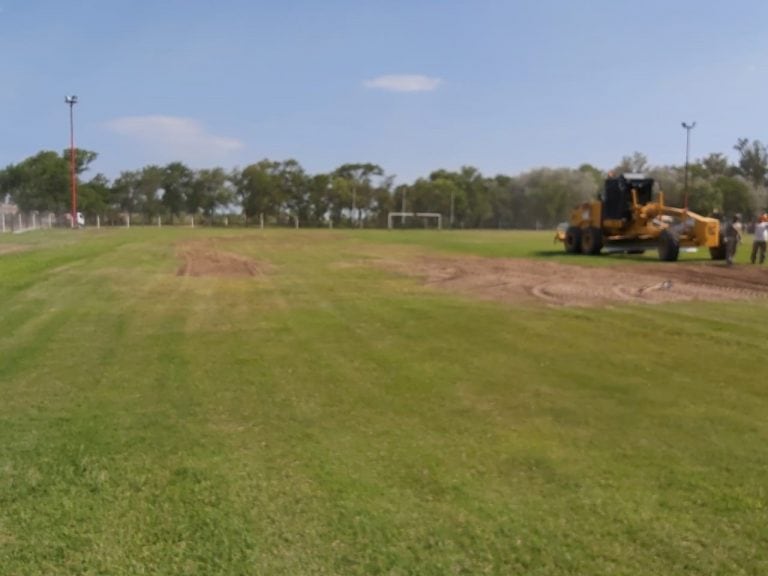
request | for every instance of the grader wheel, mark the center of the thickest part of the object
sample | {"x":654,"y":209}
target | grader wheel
{"x":573,"y":240}
{"x":718,"y":252}
{"x":669,"y":247}
{"x":592,"y":240}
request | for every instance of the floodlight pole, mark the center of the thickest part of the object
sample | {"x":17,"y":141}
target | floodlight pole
{"x":72,"y":100}
{"x":402,"y":209}
{"x":688,"y":128}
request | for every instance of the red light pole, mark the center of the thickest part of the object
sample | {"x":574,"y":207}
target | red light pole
{"x":72,"y":100}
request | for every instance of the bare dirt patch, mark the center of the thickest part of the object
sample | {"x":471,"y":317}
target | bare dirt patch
{"x":205,"y":259}
{"x":11,"y":248}
{"x":519,"y":281}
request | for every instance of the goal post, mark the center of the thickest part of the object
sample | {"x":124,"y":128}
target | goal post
{"x":424,"y":215}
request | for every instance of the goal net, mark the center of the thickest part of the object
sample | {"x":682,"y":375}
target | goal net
{"x":426,"y":217}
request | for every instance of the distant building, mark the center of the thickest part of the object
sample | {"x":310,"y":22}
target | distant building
{"x":7,"y":213}
{"x":8,"y":208}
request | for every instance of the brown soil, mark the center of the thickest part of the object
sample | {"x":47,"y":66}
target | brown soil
{"x":529,"y":281}
{"x":205,"y":259}
{"x":519,"y":281}
{"x":10,"y":248}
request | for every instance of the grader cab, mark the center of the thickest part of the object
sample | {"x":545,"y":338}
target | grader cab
{"x":627,"y":219}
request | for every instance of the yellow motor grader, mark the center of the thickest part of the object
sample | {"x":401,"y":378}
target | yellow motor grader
{"x":627,"y":219}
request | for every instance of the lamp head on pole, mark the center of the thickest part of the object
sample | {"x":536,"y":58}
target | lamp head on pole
{"x":70,"y":99}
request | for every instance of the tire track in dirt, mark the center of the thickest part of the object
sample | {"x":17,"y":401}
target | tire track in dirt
{"x":521,"y":281}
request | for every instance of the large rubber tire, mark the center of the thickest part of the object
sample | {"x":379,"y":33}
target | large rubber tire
{"x":719,"y":252}
{"x":591,"y":240}
{"x":669,"y":247}
{"x":573,"y":240}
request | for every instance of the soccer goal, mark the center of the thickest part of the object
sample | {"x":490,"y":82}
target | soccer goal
{"x":426,"y":216}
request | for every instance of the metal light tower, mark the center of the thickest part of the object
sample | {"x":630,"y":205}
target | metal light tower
{"x":72,"y":100}
{"x":402,"y":209}
{"x":688,"y":128}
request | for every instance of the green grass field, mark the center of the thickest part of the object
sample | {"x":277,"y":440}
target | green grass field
{"x":332,"y":418}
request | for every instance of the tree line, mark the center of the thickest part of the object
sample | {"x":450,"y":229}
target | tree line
{"x":363,"y":194}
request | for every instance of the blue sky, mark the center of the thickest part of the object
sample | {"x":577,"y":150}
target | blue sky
{"x":413,"y":85}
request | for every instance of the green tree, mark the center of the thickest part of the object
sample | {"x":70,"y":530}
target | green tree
{"x":440,"y":195}
{"x":320,"y":198}
{"x":258,"y":189}
{"x":211,"y":189}
{"x":177,"y":182}
{"x":596,"y":174}
{"x":125,"y":191}
{"x":736,"y":195}
{"x":753,"y":161}
{"x":42,"y":182}
{"x":383,"y":202}
{"x":715,"y":165}
{"x":704,"y":197}
{"x":476,"y":210}
{"x":636,"y":163}
{"x":508,"y":201}
{"x":9,"y":183}
{"x":479,"y":211}
{"x":293,"y":190}
{"x":451,"y":200}
{"x":753,"y":165}
{"x":552,"y":193}
{"x":669,"y":180}
{"x":94,"y":196}
{"x":150,"y":186}
{"x":359,"y":187}
{"x":341,"y":199}
{"x":83,"y":159}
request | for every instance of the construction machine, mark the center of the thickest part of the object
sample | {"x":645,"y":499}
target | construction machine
{"x":626,"y":218}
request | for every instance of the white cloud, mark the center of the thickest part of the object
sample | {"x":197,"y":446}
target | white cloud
{"x":404,"y":83}
{"x":176,"y":138}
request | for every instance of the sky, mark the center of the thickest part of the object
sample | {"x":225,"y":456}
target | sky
{"x":411,"y":85}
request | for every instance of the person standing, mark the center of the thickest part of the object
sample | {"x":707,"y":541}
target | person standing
{"x":761,"y":237}
{"x":732,"y":238}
